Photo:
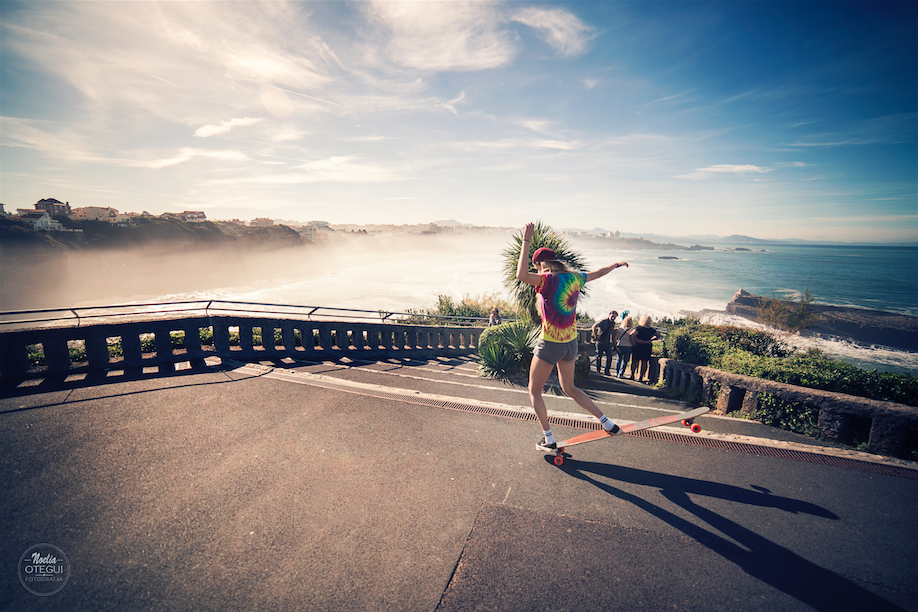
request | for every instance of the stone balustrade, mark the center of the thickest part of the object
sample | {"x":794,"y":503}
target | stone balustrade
{"x":891,"y":424}
{"x":258,"y":338}
{"x":150,"y":342}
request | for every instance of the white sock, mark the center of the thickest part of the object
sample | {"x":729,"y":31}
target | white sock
{"x":606,"y":423}
{"x":549,"y":438}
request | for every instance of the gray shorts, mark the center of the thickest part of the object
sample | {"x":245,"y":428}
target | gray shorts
{"x":553,"y":352}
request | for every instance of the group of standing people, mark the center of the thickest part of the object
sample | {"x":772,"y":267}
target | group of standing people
{"x":628,"y":343}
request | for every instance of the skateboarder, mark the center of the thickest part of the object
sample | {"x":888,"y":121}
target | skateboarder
{"x":557,"y":288}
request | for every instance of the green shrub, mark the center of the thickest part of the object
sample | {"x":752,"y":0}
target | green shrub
{"x":762,"y":355}
{"x":789,"y":416}
{"x":495,"y":360}
{"x":473,"y":308}
{"x":505,"y":351}
{"x":692,"y":342}
{"x":786,"y":315}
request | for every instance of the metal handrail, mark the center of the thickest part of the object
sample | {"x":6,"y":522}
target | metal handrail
{"x":210,"y":308}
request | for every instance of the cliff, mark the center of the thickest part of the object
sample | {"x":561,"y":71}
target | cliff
{"x":857,"y":324}
{"x":16,"y":239}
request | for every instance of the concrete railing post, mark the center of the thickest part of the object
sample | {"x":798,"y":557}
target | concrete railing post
{"x":57,"y":353}
{"x":221,"y":334}
{"x":131,"y":349}
{"x":96,"y":349}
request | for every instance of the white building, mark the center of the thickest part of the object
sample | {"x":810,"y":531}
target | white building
{"x":40,"y":220}
{"x":194,"y":216}
{"x":95,"y":213}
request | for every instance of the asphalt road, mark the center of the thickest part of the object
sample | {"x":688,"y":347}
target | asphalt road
{"x":223,"y":489}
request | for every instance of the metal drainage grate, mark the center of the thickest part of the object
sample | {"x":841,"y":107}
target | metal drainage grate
{"x":653,"y":434}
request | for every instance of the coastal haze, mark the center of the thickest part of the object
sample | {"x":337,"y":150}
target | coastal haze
{"x":401,"y":271}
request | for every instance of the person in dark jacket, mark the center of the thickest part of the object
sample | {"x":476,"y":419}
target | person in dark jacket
{"x":642,"y":337}
{"x":602,"y":336}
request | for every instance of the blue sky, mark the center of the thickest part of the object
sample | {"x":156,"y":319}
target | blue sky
{"x":770,"y":119}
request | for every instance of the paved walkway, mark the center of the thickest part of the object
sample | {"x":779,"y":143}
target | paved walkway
{"x":416,"y":486}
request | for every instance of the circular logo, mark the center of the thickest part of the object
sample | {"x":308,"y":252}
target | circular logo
{"x":44,"y":569}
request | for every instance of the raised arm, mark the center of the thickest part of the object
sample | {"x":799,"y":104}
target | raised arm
{"x":522,"y":267}
{"x":603,"y":271}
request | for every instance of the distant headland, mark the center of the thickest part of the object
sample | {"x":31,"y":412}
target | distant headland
{"x":56,"y":227}
{"x":857,"y":324}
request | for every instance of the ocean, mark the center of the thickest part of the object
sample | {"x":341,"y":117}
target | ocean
{"x":395,"y":273}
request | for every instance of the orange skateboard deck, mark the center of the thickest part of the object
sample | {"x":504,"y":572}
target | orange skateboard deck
{"x":686,"y":418}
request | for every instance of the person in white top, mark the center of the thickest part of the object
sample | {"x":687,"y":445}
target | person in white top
{"x":624,"y":346}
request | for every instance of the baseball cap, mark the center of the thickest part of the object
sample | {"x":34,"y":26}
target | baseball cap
{"x":544,"y":254}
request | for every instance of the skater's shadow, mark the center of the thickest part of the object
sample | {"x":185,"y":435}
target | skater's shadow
{"x":754,"y":554}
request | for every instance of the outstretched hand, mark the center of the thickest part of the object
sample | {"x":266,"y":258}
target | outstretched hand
{"x":528,"y":231}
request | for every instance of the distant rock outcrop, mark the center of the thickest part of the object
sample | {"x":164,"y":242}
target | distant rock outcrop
{"x":858,"y":324}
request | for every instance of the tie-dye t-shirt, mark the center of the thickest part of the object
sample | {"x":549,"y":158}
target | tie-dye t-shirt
{"x":557,"y":302}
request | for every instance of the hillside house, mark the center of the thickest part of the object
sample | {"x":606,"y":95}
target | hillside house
{"x":54,"y":207}
{"x":95,"y":213}
{"x":40,"y":220}
{"x":193,"y":216}
{"x":261,"y":222}
{"x":127,"y":219}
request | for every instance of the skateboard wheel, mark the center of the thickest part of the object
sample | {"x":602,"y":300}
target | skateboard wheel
{"x":559,"y":460}
{"x":686,"y":423}
{"x":696,"y":427}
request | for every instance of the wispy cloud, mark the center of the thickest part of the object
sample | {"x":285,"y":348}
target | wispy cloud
{"x":631,"y":139}
{"x":333,"y":169}
{"x":184,"y":155}
{"x":542,"y":126}
{"x":448,"y":36}
{"x":509,"y":144}
{"x":704,"y":173}
{"x":679,"y":98}
{"x":890,"y":129}
{"x":241,"y":40}
{"x":347,"y":169}
{"x":794,"y":164}
{"x":287,"y":133}
{"x":561,"y":145}
{"x":451,"y":105}
{"x":563,"y":31}
{"x":206,"y":131}
{"x":50,"y":137}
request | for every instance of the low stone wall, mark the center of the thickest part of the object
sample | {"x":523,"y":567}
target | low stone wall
{"x":319,"y":340}
{"x":891,"y":423}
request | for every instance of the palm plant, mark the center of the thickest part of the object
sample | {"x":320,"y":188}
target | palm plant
{"x":544,"y":236}
{"x":505,"y":351}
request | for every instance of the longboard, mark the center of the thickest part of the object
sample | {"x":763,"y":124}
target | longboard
{"x":686,"y":418}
